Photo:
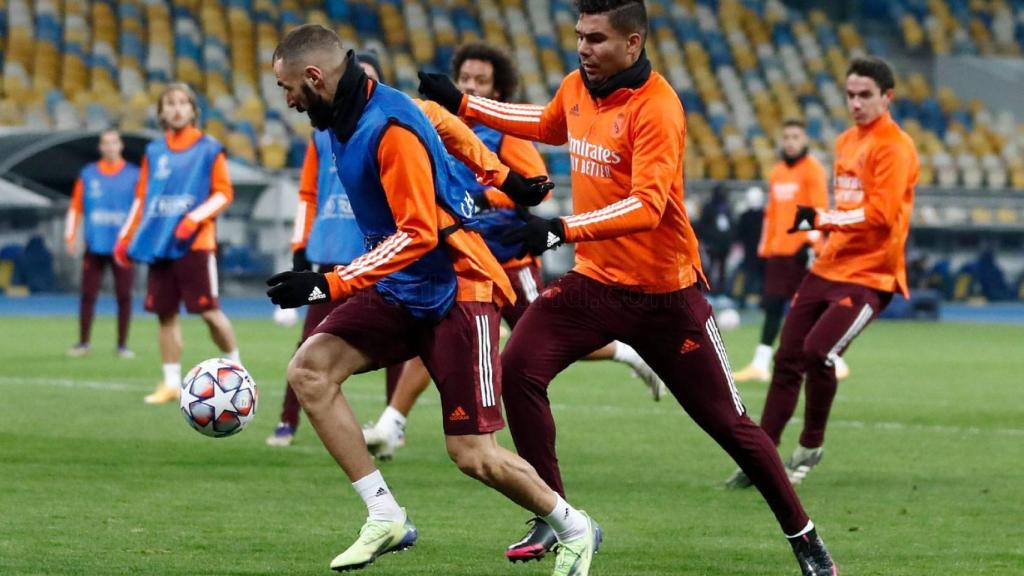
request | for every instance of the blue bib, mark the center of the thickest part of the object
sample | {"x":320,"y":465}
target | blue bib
{"x":176,"y":183}
{"x":106,"y":201}
{"x":335,"y":237}
{"x":426,"y":288}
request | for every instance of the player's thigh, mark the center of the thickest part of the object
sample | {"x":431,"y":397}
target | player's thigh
{"x":688,"y":354}
{"x":123,"y":278}
{"x":851,"y":309}
{"x":809,"y":303}
{"x":461,"y":355}
{"x":383,"y":331}
{"x":329,"y":358}
{"x":92,"y":273}
{"x":565,"y":323}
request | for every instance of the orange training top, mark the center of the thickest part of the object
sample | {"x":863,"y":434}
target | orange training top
{"x":876,"y":169}
{"x":221,"y":193}
{"x":802,"y":184}
{"x":407,"y":178}
{"x":74,"y":215}
{"x":626,"y":155}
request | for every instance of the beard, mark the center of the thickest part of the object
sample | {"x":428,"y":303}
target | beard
{"x":319,"y":111}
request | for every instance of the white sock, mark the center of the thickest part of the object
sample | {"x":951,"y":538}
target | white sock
{"x":172,"y":375}
{"x":566,"y":521}
{"x":234,"y":356}
{"x":380,"y":503}
{"x":391,"y":422}
{"x":839,"y":363}
{"x":624,"y":353}
{"x":762,"y":357}
{"x":808,"y":528}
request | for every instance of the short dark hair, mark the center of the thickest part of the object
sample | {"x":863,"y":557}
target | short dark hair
{"x":874,"y":68}
{"x":506,"y":76}
{"x":304,"y":39}
{"x":794,"y":123}
{"x":626,"y":16}
{"x":116,"y":128}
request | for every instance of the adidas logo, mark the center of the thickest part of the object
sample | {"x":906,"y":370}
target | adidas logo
{"x":316,"y":294}
{"x":846,"y":302}
{"x":458,"y":415}
{"x":575,"y":110}
{"x":553,"y":239}
{"x":688,"y":346}
{"x":805,"y":225}
{"x":380,"y":492}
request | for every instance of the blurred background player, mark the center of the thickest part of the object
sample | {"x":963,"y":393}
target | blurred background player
{"x":428,"y":287}
{"x":183,"y":186}
{"x":715,"y":230}
{"x":101,"y":199}
{"x":798,"y":179}
{"x":860,"y":268}
{"x":637,"y":275}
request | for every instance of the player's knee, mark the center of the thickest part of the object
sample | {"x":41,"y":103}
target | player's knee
{"x":814,"y":354}
{"x":472,"y":459}
{"x":306,"y":378}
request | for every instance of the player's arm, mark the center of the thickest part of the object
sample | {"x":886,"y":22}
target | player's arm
{"x":463,"y":144}
{"x":221,"y":194}
{"x":407,"y":178}
{"x":131,"y":224}
{"x":658,"y":142}
{"x":767,"y":231}
{"x":74,"y":215}
{"x":890,"y":169}
{"x":521,"y":156}
{"x":537,"y":123}
{"x":816,"y":186}
{"x":305,"y":212}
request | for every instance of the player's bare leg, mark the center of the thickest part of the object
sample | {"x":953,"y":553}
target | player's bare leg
{"x":388,"y":433}
{"x":222,"y":333}
{"x":316,"y":373}
{"x":169,"y":338}
{"x":624,"y":353}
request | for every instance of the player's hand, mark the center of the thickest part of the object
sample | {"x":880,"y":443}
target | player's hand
{"x":294,"y":289}
{"x":804,"y":256}
{"x":440,"y":89}
{"x":121,"y":253}
{"x":537,"y":235}
{"x":805,"y":219}
{"x":300,"y":263}
{"x":526,"y":191}
{"x":186,"y":229}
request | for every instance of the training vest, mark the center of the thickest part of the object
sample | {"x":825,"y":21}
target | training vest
{"x":491,"y":224}
{"x":106,"y":200}
{"x":335,"y":237}
{"x":177,"y":182}
{"x":426,"y":288}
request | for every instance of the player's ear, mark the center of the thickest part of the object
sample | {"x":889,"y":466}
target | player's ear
{"x":313,"y":76}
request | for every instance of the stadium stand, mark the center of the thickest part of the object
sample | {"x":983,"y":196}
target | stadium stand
{"x":739,"y":66}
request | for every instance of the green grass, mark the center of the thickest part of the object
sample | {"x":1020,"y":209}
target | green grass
{"x":923,"y":473}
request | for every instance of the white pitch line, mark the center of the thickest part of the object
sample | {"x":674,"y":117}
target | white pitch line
{"x":584,"y":408}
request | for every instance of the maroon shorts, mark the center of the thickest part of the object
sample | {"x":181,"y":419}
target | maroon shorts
{"x":527,"y":284}
{"x":782,"y":276}
{"x":460,"y":352}
{"x":191,"y":279}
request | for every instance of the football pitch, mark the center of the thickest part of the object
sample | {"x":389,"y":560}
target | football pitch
{"x":923,"y":471}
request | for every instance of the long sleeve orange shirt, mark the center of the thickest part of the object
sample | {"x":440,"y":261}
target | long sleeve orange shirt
{"x":77,"y":206}
{"x":876,"y":169}
{"x":221,"y":193}
{"x":802,"y":184}
{"x":407,"y":179}
{"x":626,"y":154}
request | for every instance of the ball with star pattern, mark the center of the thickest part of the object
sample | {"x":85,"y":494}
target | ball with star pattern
{"x":218,"y":397}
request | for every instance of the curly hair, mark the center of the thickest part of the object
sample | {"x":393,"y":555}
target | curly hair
{"x":506,"y":76}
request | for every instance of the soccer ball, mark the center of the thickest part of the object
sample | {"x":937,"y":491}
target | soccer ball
{"x":218,"y":397}
{"x":727,"y":318}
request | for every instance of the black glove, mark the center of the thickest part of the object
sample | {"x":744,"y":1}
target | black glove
{"x":440,"y":89}
{"x":804,"y":255}
{"x":299,"y":261}
{"x":537,"y":235}
{"x":526,"y":191}
{"x":804,"y":221}
{"x":294,"y":289}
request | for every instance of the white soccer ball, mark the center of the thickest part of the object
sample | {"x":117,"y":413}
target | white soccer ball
{"x":218,"y":397}
{"x":728,"y":319}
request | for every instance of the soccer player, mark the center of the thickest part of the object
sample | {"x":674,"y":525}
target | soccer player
{"x":637,"y":268}
{"x":183,"y":186}
{"x":861,"y":266}
{"x":103,"y":208}
{"x":798,"y":179}
{"x":427,"y":287}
